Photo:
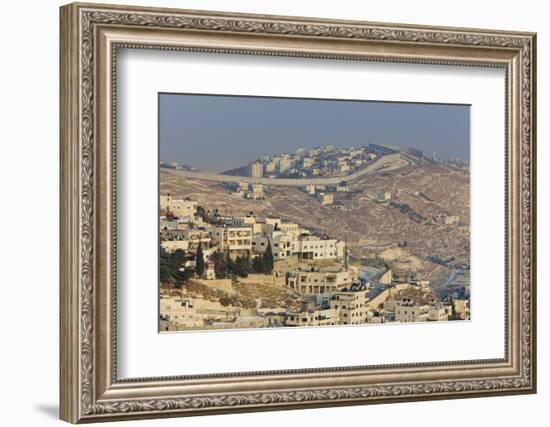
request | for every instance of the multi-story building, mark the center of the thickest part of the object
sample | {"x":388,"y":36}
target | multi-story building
{"x":317,"y":317}
{"x":235,"y":239}
{"x":408,"y":311}
{"x":270,"y":166}
{"x":188,"y":238}
{"x":178,"y":207}
{"x":351,"y":304}
{"x":285,"y":163}
{"x":256,"y":170}
{"x":281,"y":245}
{"x":440,"y":312}
{"x":288,"y":239}
{"x":315,"y":248}
{"x":260,"y":241}
{"x":290,"y":229}
{"x":319,"y":281}
{"x":257,"y":192}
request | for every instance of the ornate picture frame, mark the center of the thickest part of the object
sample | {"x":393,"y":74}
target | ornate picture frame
{"x":90,"y":37}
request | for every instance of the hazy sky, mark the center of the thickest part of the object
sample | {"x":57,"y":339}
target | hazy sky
{"x":223,"y":132}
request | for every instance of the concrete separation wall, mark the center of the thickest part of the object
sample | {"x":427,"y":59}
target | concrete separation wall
{"x":288,"y":182}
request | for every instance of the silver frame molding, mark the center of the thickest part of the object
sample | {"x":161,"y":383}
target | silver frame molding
{"x":90,"y":37}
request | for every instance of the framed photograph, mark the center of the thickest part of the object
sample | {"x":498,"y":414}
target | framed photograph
{"x":266,"y":213}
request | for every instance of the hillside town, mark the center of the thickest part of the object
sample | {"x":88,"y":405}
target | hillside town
{"x":254,"y":268}
{"x":322,"y":161}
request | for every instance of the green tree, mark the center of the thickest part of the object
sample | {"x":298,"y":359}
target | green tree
{"x":226,"y":301}
{"x":258,"y":265}
{"x":268,"y":259}
{"x":201,"y":212}
{"x":220,"y":265}
{"x":241,"y":267}
{"x":199,"y":261}
{"x":165,"y":271}
{"x":230,"y":264}
{"x":171,"y":264}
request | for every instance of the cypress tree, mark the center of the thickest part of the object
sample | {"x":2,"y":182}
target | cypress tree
{"x":258,"y":265}
{"x":199,"y":261}
{"x":220,"y":266}
{"x":268,"y":259}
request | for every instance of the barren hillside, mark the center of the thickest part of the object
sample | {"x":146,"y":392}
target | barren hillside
{"x":422,"y":196}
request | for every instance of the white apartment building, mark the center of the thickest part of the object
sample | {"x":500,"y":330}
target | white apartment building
{"x":322,"y":317}
{"x":285,"y":163}
{"x":287,"y":241}
{"x":257,"y":227}
{"x":290,"y":229}
{"x":257,"y":192}
{"x":256,"y":169}
{"x":178,"y":207}
{"x":270,"y":166}
{"x":351,"y":305}
{"x":410,"y":312}
{"x":318,"y":282}
{"x":316,"y":248}
{"x":234,"y":238}
{"x":281,"y":245}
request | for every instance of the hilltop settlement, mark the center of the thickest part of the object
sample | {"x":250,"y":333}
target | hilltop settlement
{"x":320,"y":237}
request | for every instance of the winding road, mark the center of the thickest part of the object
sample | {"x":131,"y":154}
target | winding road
{"x":442,"y":288}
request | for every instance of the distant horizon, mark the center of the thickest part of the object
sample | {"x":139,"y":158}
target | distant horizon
{"x":192,"y":126}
